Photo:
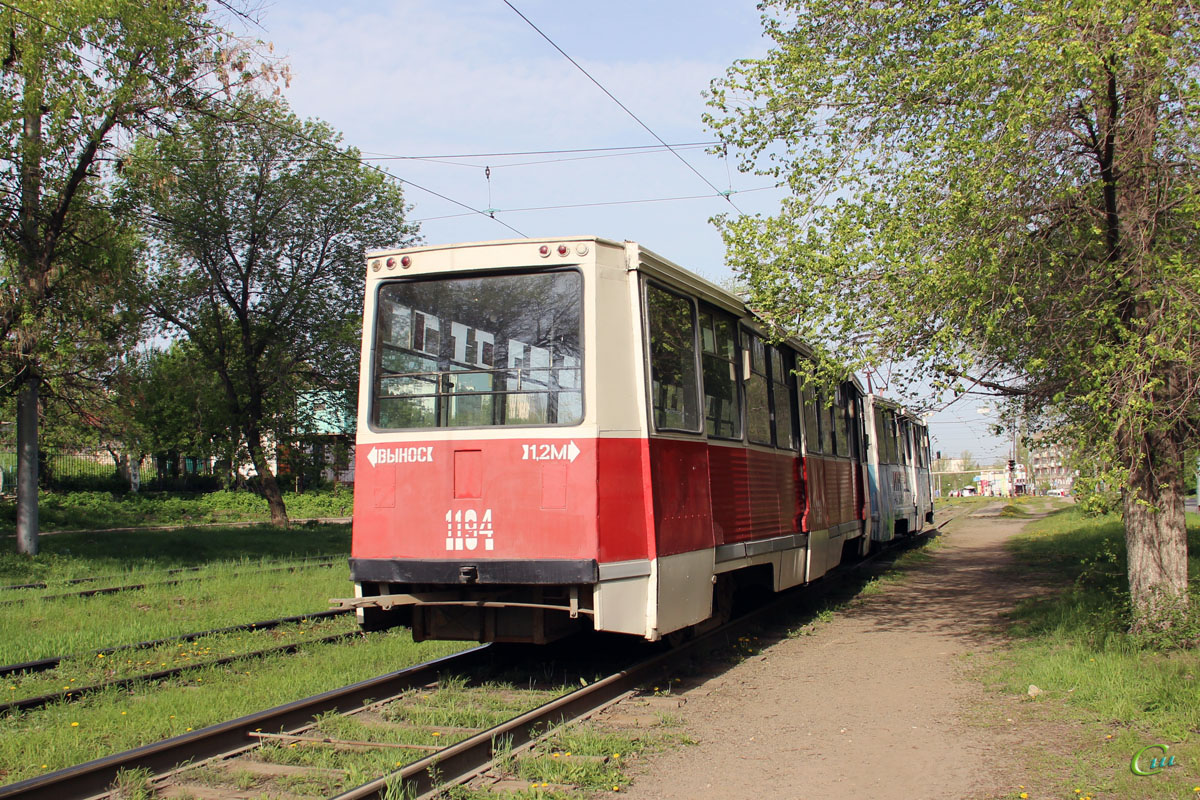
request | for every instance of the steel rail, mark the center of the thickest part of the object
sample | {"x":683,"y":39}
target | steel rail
{"x":136,"y":586}
{"x":429,"y":777}
{"x":75,"y":693}
{"x":96,"y":777}
{"x":44,"y":664}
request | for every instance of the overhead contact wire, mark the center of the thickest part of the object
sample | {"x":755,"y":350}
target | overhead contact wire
{"x":288,"y":131}
{"x":725,"y":195}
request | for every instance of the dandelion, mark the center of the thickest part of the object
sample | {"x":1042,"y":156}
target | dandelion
{"x":616,"y":755}
{"x":74,"y":724}
{"x":44,"y":766}
{"x":568,"y":753}
{"x":1024,"y":795}
{"x":123,"y":713}
{"x":437,"y":733}
{"x":616,"y":788}
{"x":99,"y":655}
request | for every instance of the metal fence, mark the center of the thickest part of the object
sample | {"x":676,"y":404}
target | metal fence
{"x":80,"y":469}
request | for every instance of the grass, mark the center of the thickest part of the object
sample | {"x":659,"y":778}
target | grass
{"x":1112,"y":690}
{"x":95,"y":510}
{"x":61,"y":735}
{"x":232,"y":589}
{"x":126,"y":556}
{"x":90,"y":669}
{"x":38,"y":628}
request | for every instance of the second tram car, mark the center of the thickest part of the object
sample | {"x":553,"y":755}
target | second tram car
{"x":575,"y":432}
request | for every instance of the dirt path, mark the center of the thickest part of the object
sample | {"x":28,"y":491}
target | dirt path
{"x":873,"y":705}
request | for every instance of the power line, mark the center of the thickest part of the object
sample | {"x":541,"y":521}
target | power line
{"x":294,"y":133}
{"x":602,"y":203}
{"x":448,"y":162}
{"x":611,"y":96}
{"x":383,"y":156}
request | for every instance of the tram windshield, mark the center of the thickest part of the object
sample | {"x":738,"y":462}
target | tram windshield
{"x":479,"y":351}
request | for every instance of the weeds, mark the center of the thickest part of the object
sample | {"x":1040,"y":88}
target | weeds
{"x":133,"y":784}
{"x":1127,"y":690}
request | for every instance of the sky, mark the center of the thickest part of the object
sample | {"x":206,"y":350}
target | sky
{"x":438,"y":93}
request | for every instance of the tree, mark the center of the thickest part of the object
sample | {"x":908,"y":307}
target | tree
{"x":168,"y":401}
{"x":260,"y":222}
{"x":75,"y":76}
{"x":1004,"y":195}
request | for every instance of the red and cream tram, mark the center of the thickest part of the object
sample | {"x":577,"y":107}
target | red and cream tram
{"x":575,"y":432}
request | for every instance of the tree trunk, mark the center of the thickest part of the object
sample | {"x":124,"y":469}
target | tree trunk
{"x":27,"y":466}
{"x":1156,"y":540}
{"x":266,"y":477}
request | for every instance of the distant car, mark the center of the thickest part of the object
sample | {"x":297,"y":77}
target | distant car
{"x":1056,"y":493}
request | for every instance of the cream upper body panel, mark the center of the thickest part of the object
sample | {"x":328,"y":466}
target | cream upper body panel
{"x":613,"y":404}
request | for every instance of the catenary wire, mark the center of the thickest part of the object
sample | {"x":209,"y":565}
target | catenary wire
{"x":263,"y":120}
{"x":591,"y":205}
{"x":612,"y":97}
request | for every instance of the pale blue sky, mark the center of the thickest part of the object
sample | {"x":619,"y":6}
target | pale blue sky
{"x":428,"y":77}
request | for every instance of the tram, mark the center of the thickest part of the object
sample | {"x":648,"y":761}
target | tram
{"x":566,"y":433}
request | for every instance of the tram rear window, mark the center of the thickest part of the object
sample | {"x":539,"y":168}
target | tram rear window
{"x":480,"y":351}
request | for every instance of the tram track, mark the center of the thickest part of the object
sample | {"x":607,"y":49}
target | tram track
{"x":132,"y":587}
{"x":297,"y":725}
{"x":76,"y":693}
{"x":45,"y":664}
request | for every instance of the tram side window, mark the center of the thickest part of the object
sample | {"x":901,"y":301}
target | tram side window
{"x":812,"y":426}
{"x":758,"y":405}
{"x":825,"y":413}
{"x":881,"y":435}
{"x":842,"y":423}
{"x":718,"y":344}
{"x":885,"y":423}
{"x":674,"y":389}
{"x":783,"y":398}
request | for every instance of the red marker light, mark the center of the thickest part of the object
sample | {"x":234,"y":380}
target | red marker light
{"x":405,"y":261}
{"x":563,"y":249}
{"x":544,"y":250}
{"x":391,"y":263}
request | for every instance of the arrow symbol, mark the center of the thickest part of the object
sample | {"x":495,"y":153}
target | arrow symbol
{"x":372,"y":456}
{"x":572,"y":451}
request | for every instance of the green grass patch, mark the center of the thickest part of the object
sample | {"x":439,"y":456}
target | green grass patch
{"x":90,"y":669}
{"x":64,"y":734}
{"x":97,"y":510}
{"x":223,"y":596}
{"x":1073,"y":644}
{"x":128,"y":556}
